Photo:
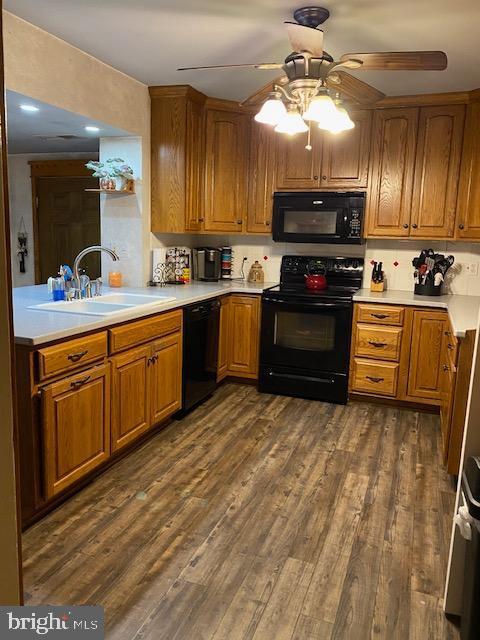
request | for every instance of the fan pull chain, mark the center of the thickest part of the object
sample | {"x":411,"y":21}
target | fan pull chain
{"x":308,"y":146}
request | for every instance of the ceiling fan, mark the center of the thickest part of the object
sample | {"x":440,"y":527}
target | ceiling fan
{"x":302,"y":93}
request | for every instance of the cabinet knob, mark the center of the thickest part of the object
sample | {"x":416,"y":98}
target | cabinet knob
{"x":239,"y":221}
{"x":324,"y":177}
{"x":267,"y":223}
{"x":405,"y":225}
{"x":200,"y":219}
{"x":461,"y":226}
{"x":414,"y":226}
{"x":446,"y":368}
{"x":315,"y":177}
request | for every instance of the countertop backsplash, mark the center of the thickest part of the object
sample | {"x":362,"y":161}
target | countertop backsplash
{"x":396,"y":256}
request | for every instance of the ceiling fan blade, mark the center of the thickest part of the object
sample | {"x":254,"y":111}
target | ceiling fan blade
{"x":305,"y":39}
{"x":261,"y":95}
{"x":401,"y":60}
{"x":353,"y":88}
{"x":262,"y":65}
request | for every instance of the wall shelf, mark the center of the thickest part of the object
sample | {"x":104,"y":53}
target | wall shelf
{"x":129,"y":189}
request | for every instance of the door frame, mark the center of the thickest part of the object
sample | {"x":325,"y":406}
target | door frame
{"x":66,"y":168}
{"x":11,"y":584}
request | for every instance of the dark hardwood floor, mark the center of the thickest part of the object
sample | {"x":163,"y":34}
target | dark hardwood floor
{"x":260,"y":517}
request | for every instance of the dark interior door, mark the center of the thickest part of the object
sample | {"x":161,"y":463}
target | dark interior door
{"x":68,"y":220}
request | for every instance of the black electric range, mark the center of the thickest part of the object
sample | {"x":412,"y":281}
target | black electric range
{"x":305,"y":334}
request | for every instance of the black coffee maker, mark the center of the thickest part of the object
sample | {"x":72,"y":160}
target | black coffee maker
{"x":207,"y":264}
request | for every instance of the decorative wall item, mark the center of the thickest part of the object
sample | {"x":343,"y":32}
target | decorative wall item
{"x":22,"y":251}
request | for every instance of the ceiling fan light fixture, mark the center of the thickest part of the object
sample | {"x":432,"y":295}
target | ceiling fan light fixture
{"x":272,"y":112}
{"x":321,"y":108}
{"x":292,"y":122}
{"x":341,"y":121}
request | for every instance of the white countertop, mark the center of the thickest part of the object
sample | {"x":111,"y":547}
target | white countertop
{"x":463,"y":310}
{"x":34,"y":327}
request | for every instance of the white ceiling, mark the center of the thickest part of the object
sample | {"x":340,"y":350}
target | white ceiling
{"x":37,"y":132}
{"x":149,"y":39}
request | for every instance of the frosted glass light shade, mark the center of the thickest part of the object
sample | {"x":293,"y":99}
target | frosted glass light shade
{"x":321,"y":108}
{"x":341,"y":122}
{"x":291,"y":123}
{"x":272,"y":112}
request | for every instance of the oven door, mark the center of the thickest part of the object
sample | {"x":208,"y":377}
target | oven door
{"x":311,"y":218}
{"x":306,"y":335}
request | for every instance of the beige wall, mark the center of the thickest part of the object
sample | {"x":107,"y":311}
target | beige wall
{"x":41,"y":66}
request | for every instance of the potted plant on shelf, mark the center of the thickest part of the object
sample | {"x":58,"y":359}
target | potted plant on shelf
{"x":114,"y":174}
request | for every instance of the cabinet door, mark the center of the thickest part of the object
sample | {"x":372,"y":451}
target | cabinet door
{"x":297,"y":168}
{"x":426,"y":356}
{"x":261,"y":178}
{"x":130,"y":396}
{"x":468,"y":216}
{"x":166,"y":377}
{"x":345,"y":155}
{"x":194,"y":166}
{"x":448,"y":375}
{"x":226,"y":170}
{"x":392,"y":162}
{"x":223,"y":340}
{"x":76,"y":427}
{"x":244,"y":328}
{"x":437,"y":167}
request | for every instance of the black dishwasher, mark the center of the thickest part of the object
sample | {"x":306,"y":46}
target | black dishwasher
{"x":201,"y":324}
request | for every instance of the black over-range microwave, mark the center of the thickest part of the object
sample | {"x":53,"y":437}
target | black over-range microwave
{"x":322,"y":216}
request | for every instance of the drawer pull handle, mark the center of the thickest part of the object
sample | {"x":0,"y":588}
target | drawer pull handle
{"x":79,"y":383}
{"x":379,"y":345}
{"x":380,"y":316}
{"x":373,"y":379}
{"x":75,"y":357}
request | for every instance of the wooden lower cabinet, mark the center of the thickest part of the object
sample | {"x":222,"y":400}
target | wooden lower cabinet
{"x":243,"y":336}
{"x":424,"y":373}
{"x":222,"y":368}
{"x":76,"y":427}
{"x":130,"y":395}
{"x":166,"y":377}
{"x":239,"y":340}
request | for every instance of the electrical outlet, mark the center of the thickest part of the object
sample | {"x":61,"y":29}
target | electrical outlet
{"x":472,"y":268}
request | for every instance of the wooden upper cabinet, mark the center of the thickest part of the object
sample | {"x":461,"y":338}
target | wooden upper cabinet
{"x":226,"y":162}
{"x":392,"y":163}
{"x":437,"y":167}
{"x":345,"y":155}
{"x":130,"y":395}
{"x":75,"y":427}
{"x":468,"y":210}
{"x":297,"y":168}
{"x":425,"y":380}
{"x":261,"y":178}
{"x":177,"y":158}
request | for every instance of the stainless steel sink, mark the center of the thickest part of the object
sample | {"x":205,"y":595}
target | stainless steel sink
{"x":107,"y":305}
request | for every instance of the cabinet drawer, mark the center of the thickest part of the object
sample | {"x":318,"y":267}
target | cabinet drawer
{"x":134,"y":333}
{"x":377,"y":378}
{"x":378,"y":342}
{"x":377,"y":314}
{"x":71,"y":355}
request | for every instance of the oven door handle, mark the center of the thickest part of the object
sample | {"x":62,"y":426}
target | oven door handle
{"x":308,"y":305}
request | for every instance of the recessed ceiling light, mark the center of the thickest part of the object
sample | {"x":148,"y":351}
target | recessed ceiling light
{"x":92,"y":129}
{"x":29,"y":107}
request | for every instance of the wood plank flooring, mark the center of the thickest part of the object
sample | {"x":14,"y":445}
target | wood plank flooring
{"x":264,"y":518}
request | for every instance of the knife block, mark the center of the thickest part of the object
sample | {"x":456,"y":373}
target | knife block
{"x":377,"y":286}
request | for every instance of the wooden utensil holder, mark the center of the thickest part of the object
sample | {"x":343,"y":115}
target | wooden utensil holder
{"x":377,"y":286}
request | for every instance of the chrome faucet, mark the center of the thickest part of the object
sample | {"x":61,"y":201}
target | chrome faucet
{"x":76,"y":268}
